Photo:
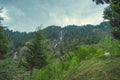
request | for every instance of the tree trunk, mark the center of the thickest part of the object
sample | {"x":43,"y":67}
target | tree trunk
{"x":31,"y":73}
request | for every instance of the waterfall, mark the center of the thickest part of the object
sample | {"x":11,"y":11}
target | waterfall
{"x":15,"y":55}
{"x":61,"y":35}
{"x":56,"y":44}
{"x":61,"y":38}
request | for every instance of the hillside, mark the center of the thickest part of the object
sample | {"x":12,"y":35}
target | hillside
{"x":96,"y":69}
{"x":73,"y":35}
{"x":73,"y":53}
{"x":59,"y":39}
{"x":85,"y":63}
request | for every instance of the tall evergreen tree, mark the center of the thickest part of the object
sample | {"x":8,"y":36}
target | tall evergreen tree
{"x":112,"y":13}
{"x":35,"y":53}
{"x":4,"y":48}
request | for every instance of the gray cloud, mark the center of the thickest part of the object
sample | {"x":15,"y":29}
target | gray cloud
{"x":26,"y":15}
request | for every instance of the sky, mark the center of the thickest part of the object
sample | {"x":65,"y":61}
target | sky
{"x":26,"y":15}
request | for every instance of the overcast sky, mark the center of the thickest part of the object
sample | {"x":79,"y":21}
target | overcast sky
{"x":26,"y":15}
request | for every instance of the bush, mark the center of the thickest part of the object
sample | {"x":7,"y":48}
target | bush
{"x":86,"y":52}
{"x":111,"y":45}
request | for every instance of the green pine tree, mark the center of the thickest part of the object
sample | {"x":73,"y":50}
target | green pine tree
{"x":112,"y":13}
{"x":35,"y":53}
{"x":4,"y":45}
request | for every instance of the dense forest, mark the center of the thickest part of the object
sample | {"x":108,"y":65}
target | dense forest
{"x":73,"y":35}
{"x":72,"y":52}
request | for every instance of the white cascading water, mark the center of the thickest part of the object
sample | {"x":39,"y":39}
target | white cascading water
{"x":61,"y":38}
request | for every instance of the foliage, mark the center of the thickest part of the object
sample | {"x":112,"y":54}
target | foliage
{"x":86,"y":52}
{"x":9,"y":70}
{"x":73,"y":35}
{"x":4,"y":45}
{"x":112,"y":13}
{"x":5,"y":73}
{"x":52,"y":32}
{"x":86,"y":62}
{"x":84,"y":58}
{"x":35,"y":55}
{"x":110,"y":45}
{"x":58,"y":68}
{"x":18,"y":39}
{"x":95,"y":69}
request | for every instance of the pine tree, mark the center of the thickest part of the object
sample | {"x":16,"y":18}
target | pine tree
{"x":35,"y":54}
{"x":4,"y":47}
{"x":112,"y":13}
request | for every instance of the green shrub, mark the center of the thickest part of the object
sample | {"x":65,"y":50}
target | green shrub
{"x":86,"y":52}
{"x":110,"y":45}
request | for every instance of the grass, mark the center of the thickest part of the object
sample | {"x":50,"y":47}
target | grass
{"x":96,"y":69}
